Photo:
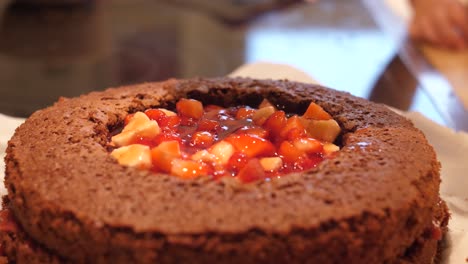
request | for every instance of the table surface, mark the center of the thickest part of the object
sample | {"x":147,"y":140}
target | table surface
{"x":52,"y":51}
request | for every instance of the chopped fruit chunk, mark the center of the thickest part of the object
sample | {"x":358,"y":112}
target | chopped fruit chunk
{"x":190,"y":108}
{"x":271,"y":163}
{"x":316,"y":112}
{"x":251,"y":145}
{"x":252,"y":171}
{"x":329,"y":148}
{"x":309,"y":163}
{"x":237,"y":161}
{"x":290,"y":153}
{"x":211,"y":107}
{"x":144,"y":141}
{"x":165,"y":118}
{"x":167,"y":112}
{"x":244,"y":113}
{"x":296,"y":133}
{"x":124,"y":138}
{"x":162,"y":137}
{"x":202,"y":139}
{"x":155,"y":114}
{"x":139,"y":122}
{"x":188,"y":169}
{"x":275,"y":124}
{"x":208,"y":125}
{"x":163,"y":155}
{"x":255,"y":131}
{"x":203,"y":155}
{"x":308,"y":145}
{"x":292,"y":123}
{"x":325,"y":130}
{"x":223,"y":151}
{"x":265,"y":103}
{"x":139,"y":126}
{"x":170,"y":122}
{"x":261,"y":115}
{"x":242,"y":142}
{"x":137,"y":156}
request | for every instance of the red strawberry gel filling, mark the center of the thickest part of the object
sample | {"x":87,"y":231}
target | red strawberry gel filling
{"x":243,"y":142}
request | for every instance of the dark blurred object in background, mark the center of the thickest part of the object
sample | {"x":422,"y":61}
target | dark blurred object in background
{"x":232,"y":11}
{"x":53,"y":2}
{"x":51,"y":32}
{"x":66,"y":48}
{"x":47,"y":51}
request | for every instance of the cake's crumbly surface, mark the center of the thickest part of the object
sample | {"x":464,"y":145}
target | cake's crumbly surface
{"x":373,"y":203}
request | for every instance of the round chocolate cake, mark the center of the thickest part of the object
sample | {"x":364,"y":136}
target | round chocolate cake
{"x":70,"y":201}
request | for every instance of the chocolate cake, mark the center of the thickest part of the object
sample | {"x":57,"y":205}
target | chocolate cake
{"x":69,"y":201}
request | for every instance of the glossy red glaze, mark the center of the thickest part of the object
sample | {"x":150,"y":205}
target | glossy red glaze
{"x":198,"y":129}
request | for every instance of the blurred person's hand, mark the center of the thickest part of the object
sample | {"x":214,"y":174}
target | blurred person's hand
{"x":442,"y":23}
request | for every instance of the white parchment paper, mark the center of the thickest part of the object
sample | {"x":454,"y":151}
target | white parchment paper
{"x":451,"y":148}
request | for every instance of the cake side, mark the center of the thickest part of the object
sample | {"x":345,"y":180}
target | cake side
{"x":19,"y":248}
{"x":137,"y":215}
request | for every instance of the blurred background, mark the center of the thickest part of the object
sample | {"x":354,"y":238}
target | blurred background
{"x":66,"y":48}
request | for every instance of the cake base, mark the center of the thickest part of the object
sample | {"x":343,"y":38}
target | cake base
{"x":19,"y":248}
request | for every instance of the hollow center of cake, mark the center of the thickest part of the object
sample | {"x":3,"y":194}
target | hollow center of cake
{"x":247,"y":143}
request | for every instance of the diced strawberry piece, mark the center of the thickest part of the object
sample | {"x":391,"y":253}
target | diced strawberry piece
{"x":255,"y":131}
{"x":208,"y":125}
{"x":202,"y":139}
{"x":155,"y":114}
{"x":237,"y":161}
{"x":316,"y":112}
{"x":292,"y":123}
{"x":189,"y":169}
{"x":296,"y":133}
{"x":275,"y":123}
{"x":144,"y":141}
{"x":310,"y":162}
{"x":244,"y":113}
{"x":252,"y":171}
{"x":127,"y":118}
{"x":308,"y":145}
{"x":162,"y":137}
{"x":251,"y":145}
{"x":163,"y":155}
{"x":169,"y":121}
{"x":190,"y":108}
{"x":290,"y":153}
